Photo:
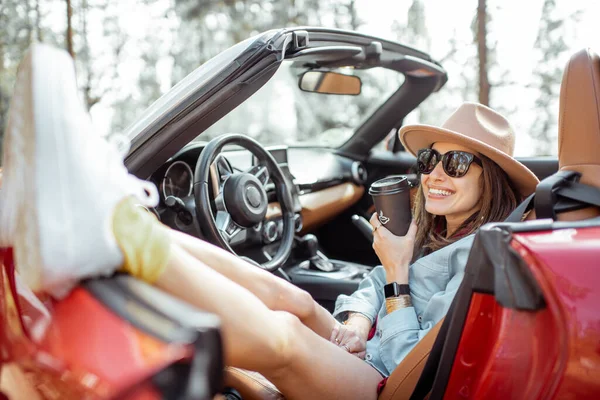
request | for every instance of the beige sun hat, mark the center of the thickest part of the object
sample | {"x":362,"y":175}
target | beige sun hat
{"x":481,"y":129}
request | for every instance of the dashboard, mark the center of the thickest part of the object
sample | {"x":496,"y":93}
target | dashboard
{"x":324,"y":184}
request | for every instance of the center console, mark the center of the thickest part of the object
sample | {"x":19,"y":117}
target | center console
{"x":325,"y":279}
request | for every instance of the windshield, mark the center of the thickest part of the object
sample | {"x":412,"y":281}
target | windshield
{"x":282,"y":114}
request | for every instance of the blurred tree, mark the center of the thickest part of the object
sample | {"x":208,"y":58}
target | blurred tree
{"x":346,"y":15}
{"x":551,"y":47}
{"x":416,"y":33}
{"x":482,"y":52}
{"x":96,"y":80}
{"x":21,"y":22}
{"x":492,"y":76}
{"x":69,"y":32}
{"x":152,"y":48}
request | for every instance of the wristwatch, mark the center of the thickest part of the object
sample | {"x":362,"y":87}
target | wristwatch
{"x":395,"y":289}
{"x":396,"y":296}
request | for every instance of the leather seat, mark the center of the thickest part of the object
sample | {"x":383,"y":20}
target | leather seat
{"x":579,"y":126}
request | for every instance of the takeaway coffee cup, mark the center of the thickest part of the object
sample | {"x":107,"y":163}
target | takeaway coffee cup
{"x":391,"y":196}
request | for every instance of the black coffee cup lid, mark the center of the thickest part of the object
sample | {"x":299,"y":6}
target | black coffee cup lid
{"x":389,"y":185}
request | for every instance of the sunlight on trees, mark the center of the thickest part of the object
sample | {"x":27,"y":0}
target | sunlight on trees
{"x":129,"y":53}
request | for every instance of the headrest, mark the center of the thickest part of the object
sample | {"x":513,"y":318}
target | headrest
{"x":579,"y":118}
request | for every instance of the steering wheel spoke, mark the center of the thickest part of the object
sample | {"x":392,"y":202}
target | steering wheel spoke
{"x":261,"y":173}
{"x":229,"y":230}
{"x":220,"y":170}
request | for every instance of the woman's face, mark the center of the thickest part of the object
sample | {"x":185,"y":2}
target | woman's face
{"x":454,"y":198}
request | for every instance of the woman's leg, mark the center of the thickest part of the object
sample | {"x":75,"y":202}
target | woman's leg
{"x":299,"y":362}
{"x":274,"y":292}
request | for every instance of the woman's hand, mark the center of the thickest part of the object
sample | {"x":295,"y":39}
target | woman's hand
{"x":394,"y":252}
{"x":352,"y":336}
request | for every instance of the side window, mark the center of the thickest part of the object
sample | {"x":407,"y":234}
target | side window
{"x":391,"y":142}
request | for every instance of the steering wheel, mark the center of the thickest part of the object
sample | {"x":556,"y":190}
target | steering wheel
{"x":241,"y":197}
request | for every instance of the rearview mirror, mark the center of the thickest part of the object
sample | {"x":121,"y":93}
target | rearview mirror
{"x":328,"y":82}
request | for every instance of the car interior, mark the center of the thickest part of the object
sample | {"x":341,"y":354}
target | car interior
{"x":579,"y":132}
{"x":299,"y":212}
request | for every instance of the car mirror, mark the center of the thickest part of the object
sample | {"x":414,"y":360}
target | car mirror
{"x":328,"y":82}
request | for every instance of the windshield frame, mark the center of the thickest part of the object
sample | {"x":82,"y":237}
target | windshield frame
{"x":189,"y":89}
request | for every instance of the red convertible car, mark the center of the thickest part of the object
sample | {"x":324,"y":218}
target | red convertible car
{"x":525,"y":323}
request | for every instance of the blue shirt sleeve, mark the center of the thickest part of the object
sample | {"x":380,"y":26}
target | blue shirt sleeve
{"x":367,"y":299}
{"x":401,"y":330}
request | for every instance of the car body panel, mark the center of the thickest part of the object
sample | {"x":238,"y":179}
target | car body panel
{"x":551,"y":353}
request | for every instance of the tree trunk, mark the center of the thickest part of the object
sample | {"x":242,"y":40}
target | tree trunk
{"x":482,"y":50}
{"x":28,"y":21}
{"x":38,"y":21}
{"x":70,"y":29}
{"x":354,"y":20}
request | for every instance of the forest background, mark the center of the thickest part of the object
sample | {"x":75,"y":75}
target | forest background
{"x":508,"y":54}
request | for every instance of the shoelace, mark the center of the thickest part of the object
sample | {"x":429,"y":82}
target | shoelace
{"x":146,"y":192}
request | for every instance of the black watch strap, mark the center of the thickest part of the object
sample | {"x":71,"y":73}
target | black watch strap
{"x":395,"y":289}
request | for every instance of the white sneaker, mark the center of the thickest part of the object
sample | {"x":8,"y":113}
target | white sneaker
{"x":61,"y":181}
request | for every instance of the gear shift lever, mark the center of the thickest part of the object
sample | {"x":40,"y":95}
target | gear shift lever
{"x":316,"y":259}
{"x":311,"y":244}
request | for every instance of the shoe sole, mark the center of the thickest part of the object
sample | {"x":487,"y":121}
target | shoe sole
{"x":33,"y":127}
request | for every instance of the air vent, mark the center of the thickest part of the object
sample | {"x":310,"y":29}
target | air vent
{"x":359,"y":172}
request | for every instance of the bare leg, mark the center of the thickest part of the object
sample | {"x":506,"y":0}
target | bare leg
{"x":274,"y":343}
{"x":274,"y":292}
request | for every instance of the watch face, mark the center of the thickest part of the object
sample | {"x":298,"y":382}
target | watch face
{"x":391,"y":290}
{"x":394,"y":289}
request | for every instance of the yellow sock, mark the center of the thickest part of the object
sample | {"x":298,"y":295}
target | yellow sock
{"x":144,"y":241}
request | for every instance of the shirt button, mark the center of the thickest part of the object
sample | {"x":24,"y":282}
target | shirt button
{"x":368,"y":357}
{"x":379,"y":333}
{"x":420,"y":318}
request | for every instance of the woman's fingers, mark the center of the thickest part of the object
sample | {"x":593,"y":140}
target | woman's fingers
{"x":355,"y":344}
{"x":374,"y":221}
{"x":349,"y":340}
{"x":338,"y":334}
{"x":345,"y":335}
{"x":334,"y":334}
{"x":361,"y":354}
{"x":412,"y":230}
{"x":352,"y":343}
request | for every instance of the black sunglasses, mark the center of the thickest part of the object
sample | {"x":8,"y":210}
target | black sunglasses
{"x":455,"y":163}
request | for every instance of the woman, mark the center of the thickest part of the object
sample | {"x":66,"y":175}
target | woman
{"x":468,"y":178}
{"x":67,"y":210}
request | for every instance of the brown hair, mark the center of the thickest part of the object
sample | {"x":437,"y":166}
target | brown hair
{"x":498,"y":199}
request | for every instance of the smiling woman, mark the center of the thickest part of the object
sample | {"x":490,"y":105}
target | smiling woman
{"x":468,"y":178}
{"x":459,"y":194}
{"x":456,"y":197}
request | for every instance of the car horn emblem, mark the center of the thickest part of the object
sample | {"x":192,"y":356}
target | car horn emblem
{"x":382,"y":218}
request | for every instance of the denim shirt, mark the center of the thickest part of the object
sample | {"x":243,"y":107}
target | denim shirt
{"x":433,"y":279}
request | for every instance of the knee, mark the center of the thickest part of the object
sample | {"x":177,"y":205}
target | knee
{"x":304,"y":304}
{"x":292,"y":299}
{"x":283,"y":350}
